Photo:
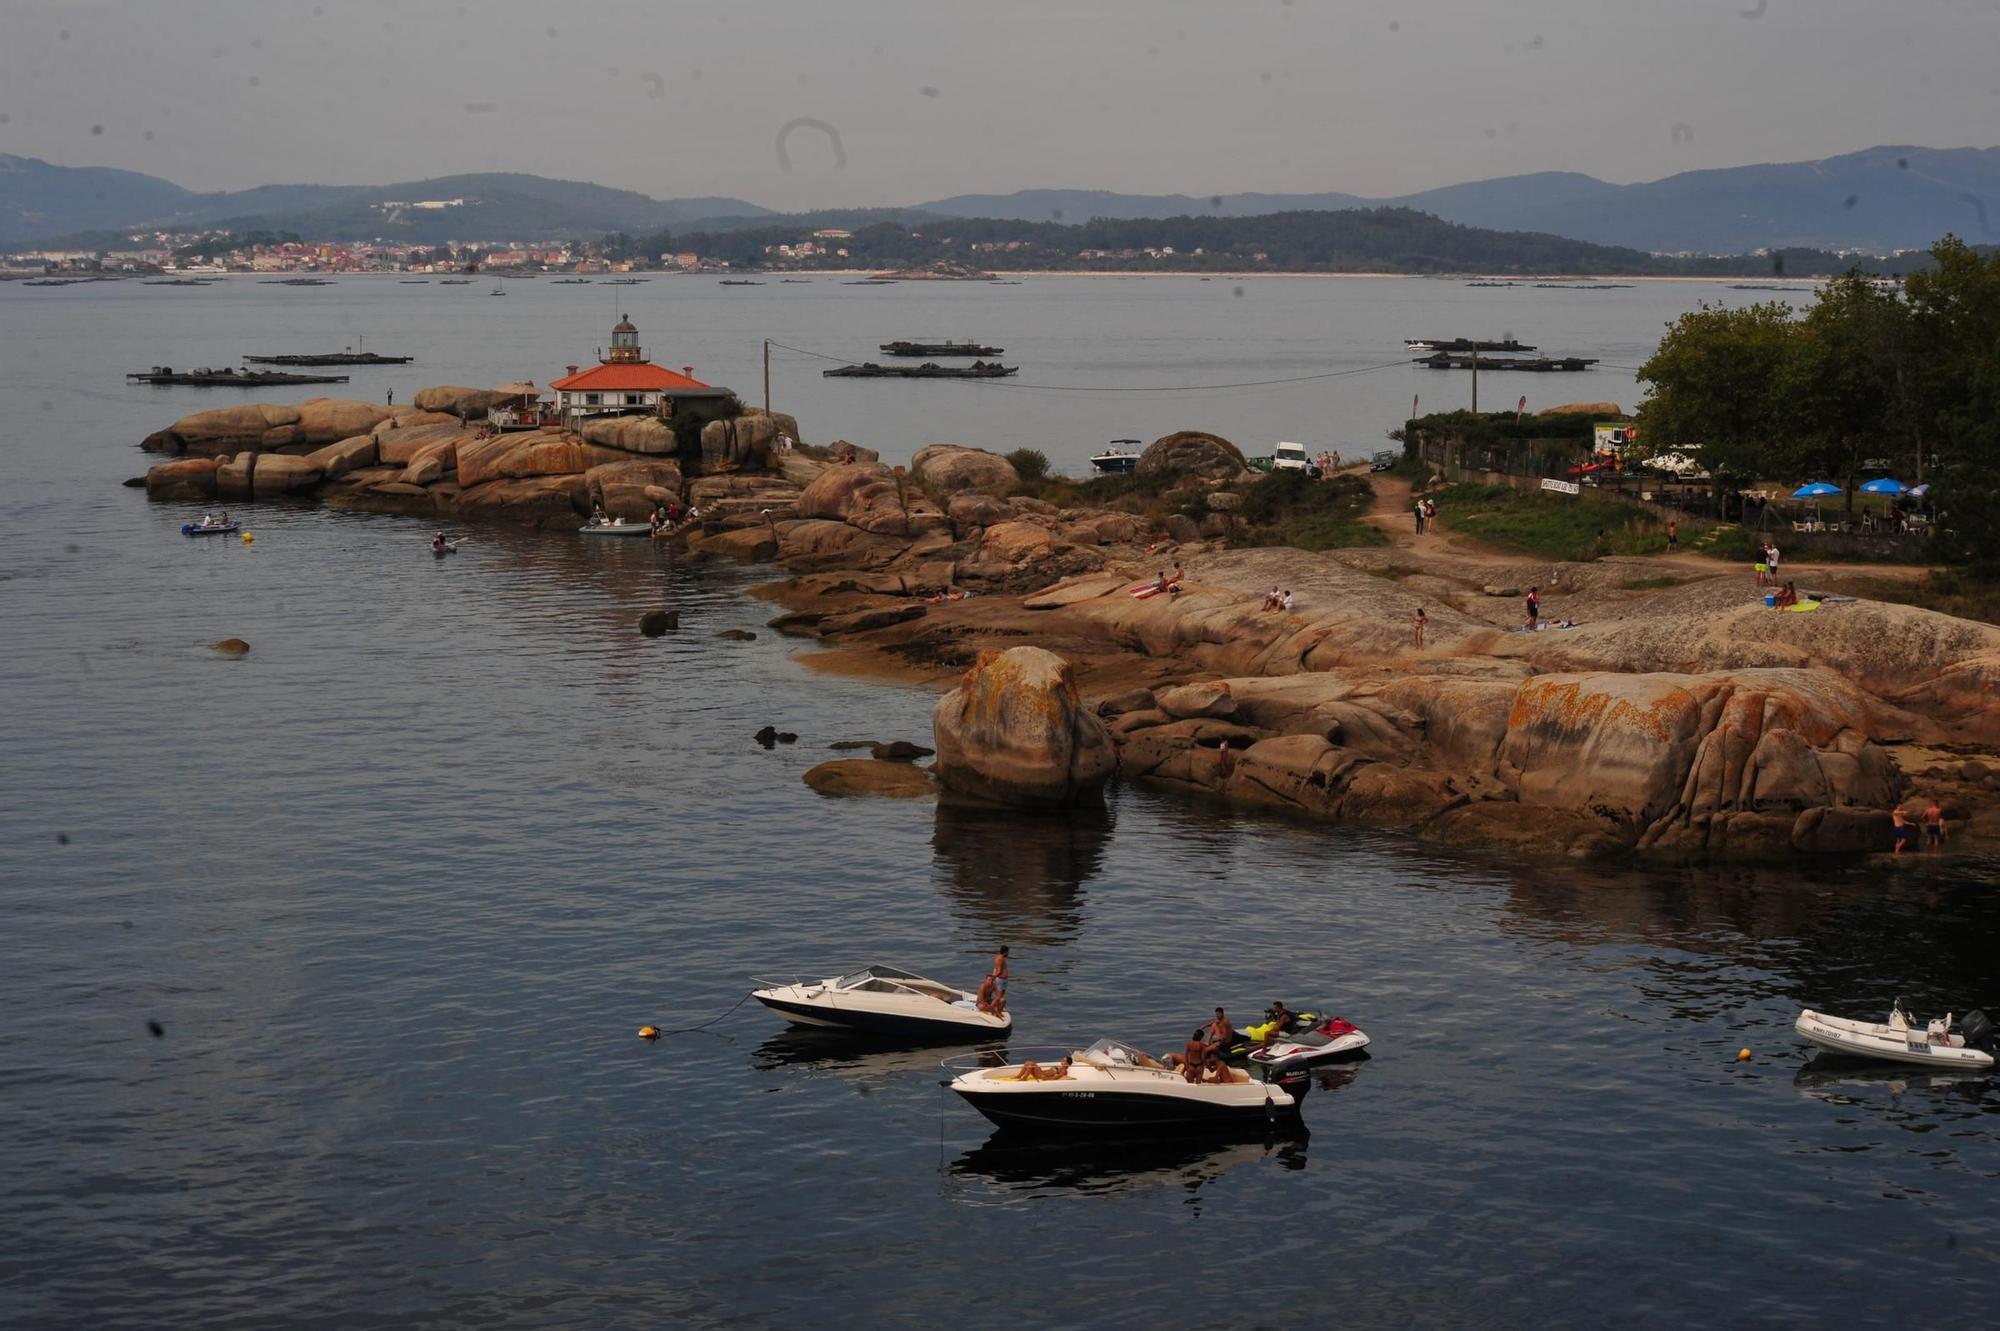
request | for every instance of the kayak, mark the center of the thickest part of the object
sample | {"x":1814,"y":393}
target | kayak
{"x":1938,"y":1044}
{"x":217,"y":529}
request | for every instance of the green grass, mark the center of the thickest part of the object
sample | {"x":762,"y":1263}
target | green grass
{"x":1972,"y":594}
{"x":1549,"y":526}
{"x":1650,"y":584}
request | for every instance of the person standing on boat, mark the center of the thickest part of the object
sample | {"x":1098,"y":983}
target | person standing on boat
{"x":999,"y":978}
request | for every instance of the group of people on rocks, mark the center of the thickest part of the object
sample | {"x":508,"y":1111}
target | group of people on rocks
{"x":1278,"y":600}
{"x":1931,"y":819}
{"x":668,"y":516}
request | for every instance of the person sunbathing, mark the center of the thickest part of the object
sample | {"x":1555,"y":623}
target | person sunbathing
{"x":1033,"y":1071}
{"x":1787,"y":595}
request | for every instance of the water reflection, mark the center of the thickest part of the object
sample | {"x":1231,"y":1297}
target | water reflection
{"x":866,"y":1064}
{"x":1020,"y":876}
{"x":1921,"y":1095}
{"x":1029,"y":1168}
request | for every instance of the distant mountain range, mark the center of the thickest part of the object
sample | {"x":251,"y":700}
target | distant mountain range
{"x":1879,"y":200}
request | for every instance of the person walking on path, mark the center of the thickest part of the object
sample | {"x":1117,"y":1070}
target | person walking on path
{"x":1534,"y":619}
{"x":1673,"y":536}
{"x":1417,"y":628}
{"x":1420,"y":517}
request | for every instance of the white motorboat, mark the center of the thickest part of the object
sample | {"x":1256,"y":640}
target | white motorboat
{"x":1114,"y":1088}
{"x":1330,"y":1039}
{"x":616,"y":527}
{"x":1120,"y":459}
{"x":886,"y":1001}
{"x":1899,"y":1040}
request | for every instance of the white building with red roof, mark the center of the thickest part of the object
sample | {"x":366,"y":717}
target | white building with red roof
{"x":624,"y":382}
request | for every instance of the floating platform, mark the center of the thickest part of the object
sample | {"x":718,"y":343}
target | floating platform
{"x":1446,"y":360}
{"x":297,"y":282}
{"x":335,"y":358}
{"x":976,"y":370}
{"x":940,"y":349}
{"x":1462,"y":344}
{"x":227,"y":378}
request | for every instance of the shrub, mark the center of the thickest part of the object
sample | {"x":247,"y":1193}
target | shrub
{"x":1030,"y":464}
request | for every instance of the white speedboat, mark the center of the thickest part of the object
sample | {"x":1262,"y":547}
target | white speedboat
{"x":1330,"y":1039}
{"x":1121,"y":458}
{"x":616,"y":527}
{"x":882,"y":1000}
{"x":1112,"y":1088}
{"x":1898,"y":1040}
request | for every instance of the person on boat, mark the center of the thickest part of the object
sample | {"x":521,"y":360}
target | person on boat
{"x":1933,"y":821}
{"x":999,"y":978}
{"x":1220,"y":1033}
{"x":984,"y":999}
{"x":1193,"y":1058}
{"x":1214,"y":1071}
{"x":1901,"y":822}
{"x":598,"y":517}
{"x":1787,"y":595}
{"x":1033,"y":1071}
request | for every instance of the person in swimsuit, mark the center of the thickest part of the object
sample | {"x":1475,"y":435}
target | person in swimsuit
{"x":1194,"y":1057}
{"x":999,"y":979}
{"x":1417,"y":624}
{"x":1673,"y":536}
{"x":1220,"y":1033}
{"x":1901,"y":821}
{"x":1534,"y":608}
{"x":1033,"y":1071}
{"x":1933,"y":821}
{"x":984,"y":1000}
{"x":1281,"y":1018}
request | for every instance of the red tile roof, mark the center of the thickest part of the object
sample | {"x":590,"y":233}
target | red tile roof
{"x":633,"y":377}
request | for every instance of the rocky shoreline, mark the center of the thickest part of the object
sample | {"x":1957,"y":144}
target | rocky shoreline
{"x":1682,"y":721}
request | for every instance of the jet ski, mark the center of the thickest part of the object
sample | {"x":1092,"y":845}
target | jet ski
{"x":1250,"y":1037}
{"x":1331,"y":1038}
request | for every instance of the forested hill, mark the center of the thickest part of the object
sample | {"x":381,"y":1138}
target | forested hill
{"x":1386,"y":240}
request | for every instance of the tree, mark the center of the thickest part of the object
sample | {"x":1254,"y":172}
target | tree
{"x":1843,"y":382}
{"x":1955,"y":318}
{"x":1716,"y":384}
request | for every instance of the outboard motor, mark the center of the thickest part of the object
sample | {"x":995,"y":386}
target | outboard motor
{"x":1979,"y":1031}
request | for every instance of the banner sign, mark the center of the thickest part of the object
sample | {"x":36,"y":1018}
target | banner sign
{"x":1561,"y":487}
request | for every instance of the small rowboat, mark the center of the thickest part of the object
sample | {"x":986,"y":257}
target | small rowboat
{"x":1936,"y":1045}
{"x":210,"y":528}
{"x":616,"y":527}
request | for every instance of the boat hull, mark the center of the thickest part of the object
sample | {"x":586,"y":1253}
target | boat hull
{"x":196,"y":529}
{"x":621,"y":529}
{"x":887,"y":1025}
{"x":1097,"y":1112}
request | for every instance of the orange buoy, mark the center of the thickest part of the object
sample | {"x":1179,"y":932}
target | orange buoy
{"x":649,"y":1032}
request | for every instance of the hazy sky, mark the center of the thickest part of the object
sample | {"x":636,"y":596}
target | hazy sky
{"x":935,"y":97}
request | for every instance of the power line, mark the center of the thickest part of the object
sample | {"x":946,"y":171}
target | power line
{"x":1138,"y":388}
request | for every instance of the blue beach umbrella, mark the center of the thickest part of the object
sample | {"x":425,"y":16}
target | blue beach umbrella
{"x":1882,"y":485}
{"x":1815,"y":490}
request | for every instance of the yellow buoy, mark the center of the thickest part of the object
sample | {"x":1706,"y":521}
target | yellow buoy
{"x":649,"y":1032}
{"x":1743,"y":1056}
{"x":247,"y":538}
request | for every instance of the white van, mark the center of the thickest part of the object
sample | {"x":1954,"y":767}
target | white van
{"x":1289,"y":457}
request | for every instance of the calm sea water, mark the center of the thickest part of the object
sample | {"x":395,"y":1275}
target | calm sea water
{"x":399,"y":886}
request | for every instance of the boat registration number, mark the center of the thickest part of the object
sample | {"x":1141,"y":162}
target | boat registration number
{"x":1918,"y":1046}
{"x":1079,"y":1095}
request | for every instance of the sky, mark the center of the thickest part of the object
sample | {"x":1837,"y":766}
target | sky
{"x":901,"y":101}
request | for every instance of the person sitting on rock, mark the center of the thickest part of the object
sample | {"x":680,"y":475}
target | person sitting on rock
{"x":1787,"y":595}
{"x":1272,"y":600}
{"x":1033,"y":1071}
{"x":1286,"y":604}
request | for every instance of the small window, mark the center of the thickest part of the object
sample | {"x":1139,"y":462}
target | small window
{"x":590,"y":399}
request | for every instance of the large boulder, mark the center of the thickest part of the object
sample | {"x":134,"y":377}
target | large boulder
{"x":252,"y":426}
{"x":398,"y":445}
{"x":536,"y":501}
{"x":622,"y":487}
{"x":281,"y":474}
{"x":454,"y":399}
{"x":833,"y":493}
{"x":1016,"y":732}
{"x":337,"y":459}
{"x":1193,"y":455}
{"x":866,"y":495}
{"x":515,"y":456}
{"x":633,"y":434}
{"x":740,"y":441}
{"x":870,"y":776}
{"x":430,"y":463}
{"x":322,"y":420}
{"x":233,"y":475}
{"x":744,"y":498}
{"x":183,"y":478}
{"x":971,"y":510}
{"x":954,"y":469}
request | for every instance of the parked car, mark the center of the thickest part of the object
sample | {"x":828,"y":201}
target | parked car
{"x":1384,"y":460}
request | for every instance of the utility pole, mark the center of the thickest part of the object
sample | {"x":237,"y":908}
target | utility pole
{"x":767,"y":376}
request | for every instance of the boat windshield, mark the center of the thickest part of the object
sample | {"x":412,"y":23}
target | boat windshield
{"x":1115,"y":1053}
{"x":867,"y":973}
